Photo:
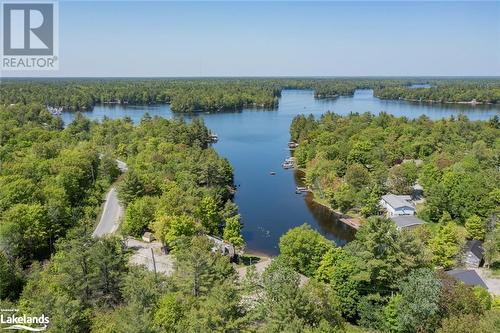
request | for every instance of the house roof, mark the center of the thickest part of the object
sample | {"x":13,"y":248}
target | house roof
{"x":476,"y":247}
{"x":397,"y":201}
{"x":404,"y":221}
{"x":467,"y":276}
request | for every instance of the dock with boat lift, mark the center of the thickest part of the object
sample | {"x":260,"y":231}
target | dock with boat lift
{"x":289,"y":163}
{"x":302,"y":189}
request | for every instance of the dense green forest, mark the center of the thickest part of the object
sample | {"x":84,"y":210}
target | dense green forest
{"x":351,"y":161}
{"x":183,"y":95}
{"x":176,"y":185}
{"x":213,"y":95}
{"x":52,"y":181}
{"x":389,"y":280}
{"x":385,"y":281}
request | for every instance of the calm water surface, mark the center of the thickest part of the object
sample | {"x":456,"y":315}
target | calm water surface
{"x":255,"y":141}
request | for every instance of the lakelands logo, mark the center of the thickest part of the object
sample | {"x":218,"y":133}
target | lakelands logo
{"x":21,"y":322}
{"x":30,"y":35}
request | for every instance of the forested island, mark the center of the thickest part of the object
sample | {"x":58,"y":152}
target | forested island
{"x":462,"y":92}
{"x":215,"y":95}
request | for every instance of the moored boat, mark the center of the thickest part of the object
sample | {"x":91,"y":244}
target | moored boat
{"x":214,"y":137}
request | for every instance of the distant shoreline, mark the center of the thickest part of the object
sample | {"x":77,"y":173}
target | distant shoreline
{"x":431,"y":101}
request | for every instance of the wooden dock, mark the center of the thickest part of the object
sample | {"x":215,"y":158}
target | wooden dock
{"x":351,"y":221}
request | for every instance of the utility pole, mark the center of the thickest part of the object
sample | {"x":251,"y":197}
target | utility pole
{"x":154,"y":262}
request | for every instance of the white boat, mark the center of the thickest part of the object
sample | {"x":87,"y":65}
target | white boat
{"x":214,"y":137}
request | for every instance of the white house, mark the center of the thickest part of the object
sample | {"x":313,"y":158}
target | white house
{"x":397,"y":204}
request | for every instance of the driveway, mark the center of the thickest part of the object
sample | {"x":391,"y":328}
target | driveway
{"x":492,"y":282}
{"x":143,"y":256}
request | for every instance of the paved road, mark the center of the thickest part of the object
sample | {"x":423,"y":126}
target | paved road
{"x":111,"y":215}
{"x":112,"y":212}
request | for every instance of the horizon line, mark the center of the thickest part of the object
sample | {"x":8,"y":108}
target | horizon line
{"x":259,"y":77}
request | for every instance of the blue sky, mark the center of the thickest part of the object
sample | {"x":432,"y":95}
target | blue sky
{"x":279,"y":38}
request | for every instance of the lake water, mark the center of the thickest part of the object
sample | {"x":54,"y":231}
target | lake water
{"x":255,"y":142}
{"x":420,"y":85}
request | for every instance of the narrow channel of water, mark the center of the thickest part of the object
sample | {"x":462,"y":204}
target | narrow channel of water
{"x":254,"y":141}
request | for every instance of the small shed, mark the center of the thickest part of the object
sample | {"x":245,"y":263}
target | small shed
{"x":473,"y":254}
{"x":467,"y":276}
{"x":148,"y":237}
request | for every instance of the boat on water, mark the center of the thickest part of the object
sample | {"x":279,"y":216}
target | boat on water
{"x":292,"y":144}
{"x":214,"y":137}
{"x":272,"y":173}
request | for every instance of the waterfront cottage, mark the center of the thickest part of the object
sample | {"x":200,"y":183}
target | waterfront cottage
{"x":396,"y":205}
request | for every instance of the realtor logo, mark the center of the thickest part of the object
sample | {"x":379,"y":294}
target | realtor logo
{"x":29,"y":35}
